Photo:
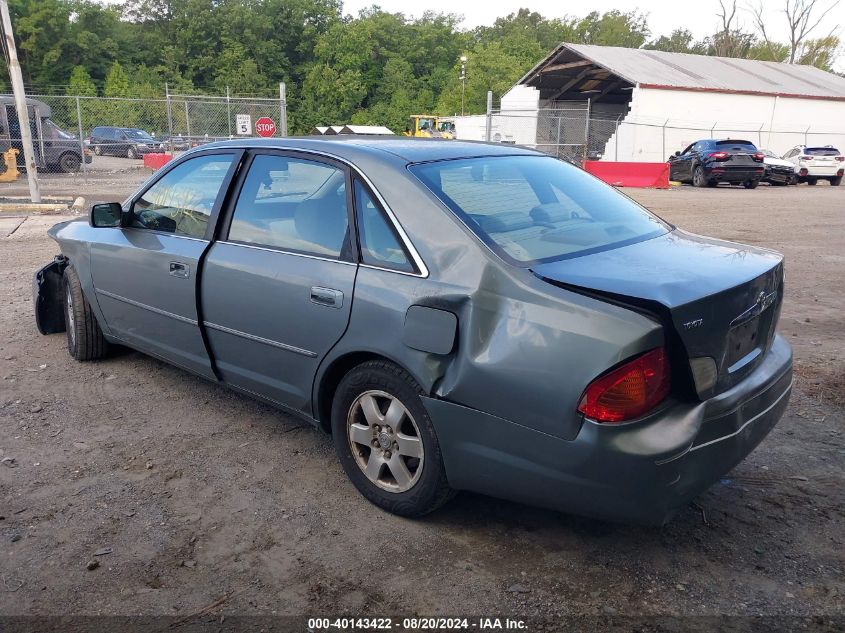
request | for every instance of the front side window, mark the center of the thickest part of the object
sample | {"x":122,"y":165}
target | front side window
{"x":380,"y":245}
{"x":181,"y":201}
{"x":293,"y":204}
{"x":533,"y":209}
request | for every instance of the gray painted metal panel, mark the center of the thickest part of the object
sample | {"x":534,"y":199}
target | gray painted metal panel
{"x":702,"y":72}
{"x":142,"y":302}
{"x":266,"y":333}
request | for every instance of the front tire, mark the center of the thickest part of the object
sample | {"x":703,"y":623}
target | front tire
{"x":98,"y":150}
{"x":85,"y":340}
{"x":69,"y":163}
{"x":385,"y":440}
{"x":131,"y":153}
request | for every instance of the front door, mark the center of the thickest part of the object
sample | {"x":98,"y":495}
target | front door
{"x":277,"y":287}
{"x":145,"y":275}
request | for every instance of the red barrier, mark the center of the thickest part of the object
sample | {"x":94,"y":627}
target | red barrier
{"x":655,"y":175}
{"x":156,"y":161}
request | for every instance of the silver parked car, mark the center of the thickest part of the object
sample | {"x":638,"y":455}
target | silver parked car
{"x":460,"y":316}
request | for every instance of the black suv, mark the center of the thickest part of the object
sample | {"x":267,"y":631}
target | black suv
{"x":708,"y":162}
{"x":122,"y":141}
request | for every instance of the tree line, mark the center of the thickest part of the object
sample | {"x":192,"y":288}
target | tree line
{"x":373,"y":68}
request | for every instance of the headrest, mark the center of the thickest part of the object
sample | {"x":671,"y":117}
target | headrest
{"x":550,"y":213}
{"x":503,"y":222}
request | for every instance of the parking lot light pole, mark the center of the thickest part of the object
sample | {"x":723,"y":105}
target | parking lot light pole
{"x":20,"y":102}
{"x":463,"y":81}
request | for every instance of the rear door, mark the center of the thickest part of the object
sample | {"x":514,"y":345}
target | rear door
{"x":145,"y":275}
{"x":277,"y":285}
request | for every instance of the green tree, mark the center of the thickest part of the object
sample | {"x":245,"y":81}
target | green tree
{"x":117,"y":82}
{"x":80,"y":83}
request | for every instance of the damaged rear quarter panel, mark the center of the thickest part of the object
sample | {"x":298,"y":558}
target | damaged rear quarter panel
{"x":525,"y":349}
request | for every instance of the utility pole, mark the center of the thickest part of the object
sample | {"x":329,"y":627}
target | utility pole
{"x":20,"y":101}
{"x":283,"y":109}
{"x":463,"y":81}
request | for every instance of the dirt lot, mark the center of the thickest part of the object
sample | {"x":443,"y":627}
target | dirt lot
{"x":203,"y":497}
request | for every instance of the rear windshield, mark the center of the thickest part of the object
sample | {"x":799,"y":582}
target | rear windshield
{"x":821,"y":151}
{"x":745,"y":146}
{"x":533,"y":209}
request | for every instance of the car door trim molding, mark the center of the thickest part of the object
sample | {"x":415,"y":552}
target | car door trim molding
{"x":260,"y":339}
{"x":144,"y":306}
{"x":282,"y":251}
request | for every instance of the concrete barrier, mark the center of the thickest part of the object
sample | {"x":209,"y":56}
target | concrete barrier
{"x":156,"y":161}
{"x":653,"y":175}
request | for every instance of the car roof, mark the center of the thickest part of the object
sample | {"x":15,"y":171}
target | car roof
{"x":411,"y":150}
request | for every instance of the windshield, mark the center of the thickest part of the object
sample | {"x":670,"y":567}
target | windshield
{"x":132,"y":133}
{"x":821,"y":151}
{"x":51,"y":130}
{"x":744,"y":146}
{"x":532,"y":209}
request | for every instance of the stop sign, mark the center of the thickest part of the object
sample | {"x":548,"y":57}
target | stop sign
{"x":265,"y":126}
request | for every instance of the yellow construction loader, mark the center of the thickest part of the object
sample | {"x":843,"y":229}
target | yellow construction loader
{"x":431,"y":126}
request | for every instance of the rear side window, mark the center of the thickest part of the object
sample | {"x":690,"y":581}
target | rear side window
{"x":533,"y":209}
{"x":380,"y":245}
{"x":181,"y":201}
{"x":293,"y":204}
{"x":744,"y":146}
{"x":821,"y":151}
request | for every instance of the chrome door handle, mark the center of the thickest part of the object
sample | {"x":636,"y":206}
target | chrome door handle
{"x":326,"y":297}
{"x":180,"y":269}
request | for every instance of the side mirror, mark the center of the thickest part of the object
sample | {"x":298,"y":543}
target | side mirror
{"x":106,"y":215}
{"x":678,"y":153}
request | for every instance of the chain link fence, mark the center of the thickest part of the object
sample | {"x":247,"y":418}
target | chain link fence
{"x":575,"y":134}
{"x":84,"y":136}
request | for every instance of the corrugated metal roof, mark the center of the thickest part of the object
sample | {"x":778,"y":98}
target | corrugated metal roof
{"x":703,"y":72}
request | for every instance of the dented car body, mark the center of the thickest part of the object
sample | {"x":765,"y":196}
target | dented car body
{"x":570,"y":349}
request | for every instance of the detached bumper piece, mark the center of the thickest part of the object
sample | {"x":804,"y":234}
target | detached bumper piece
{"x":47,"y":296}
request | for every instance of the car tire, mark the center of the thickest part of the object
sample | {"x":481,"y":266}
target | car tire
{"x":98,"y":150}
{"x":812,"y":181}
{"x":698,"y":177}
{"x":69,"y":163}
{"x":131,"y":153}
{"x":397,"y":467}
{"x":835,"y":182}
{"x":85,"y":340}
{"x":751,"y":184}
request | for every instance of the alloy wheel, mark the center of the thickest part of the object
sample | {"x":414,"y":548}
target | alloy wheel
{"x":385,"y":441}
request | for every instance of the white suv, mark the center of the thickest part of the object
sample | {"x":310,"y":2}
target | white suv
{"x":815,"y":163}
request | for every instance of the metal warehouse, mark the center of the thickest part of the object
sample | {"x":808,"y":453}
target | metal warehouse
{"x":641,"y":105}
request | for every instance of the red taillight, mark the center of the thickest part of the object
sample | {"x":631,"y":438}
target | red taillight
{"x":628,"y":391}
{"x":759,"y":156}
{"x":840,"y":158}
{"x":720,"y":156}
{"x":805,"y":158}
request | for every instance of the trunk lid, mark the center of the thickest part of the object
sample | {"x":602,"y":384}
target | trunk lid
{"x":717,"y":299}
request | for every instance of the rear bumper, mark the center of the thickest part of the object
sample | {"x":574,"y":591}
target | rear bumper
{"x":640,"y":472}
{"x":827,"y":171}
{"x":734,"y":174}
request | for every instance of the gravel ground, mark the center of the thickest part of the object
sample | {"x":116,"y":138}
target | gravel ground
{"x":188,"y":495}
